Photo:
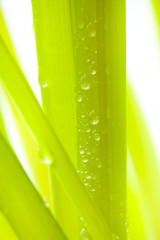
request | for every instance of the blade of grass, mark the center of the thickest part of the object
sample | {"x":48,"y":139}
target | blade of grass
{"x":49,"y":143}
{"x":20,"y":202}
{"x":4,"y":34}
{"x":26,"y":146}
{"x":115,"y":69}
{"x":149,"y":222}
{"x":101,"y":77}
{"x":135,"y":224}
{"x":144,"y":159}
{"x":156,"y":5}
{"x":52,"y":25}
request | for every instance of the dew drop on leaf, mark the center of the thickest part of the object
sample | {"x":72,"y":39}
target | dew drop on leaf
{"x":95,"y":120}
{"x":93,"y":72}
{"x":79,"y":98}
{"x":85,"y":160}
{"x":81,"y":151}
{"x":91,"y":29}
{"x":81,"y":25}
{"x":97,"y":137}
{"x":45,"y":160}
{"x":44,"y":84}
{"x":115,"y":237}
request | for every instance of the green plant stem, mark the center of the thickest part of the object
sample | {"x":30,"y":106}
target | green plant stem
{"x":115,"y":36}
{"x":48,"y":141}
{"x":101,"y":89}
{"x":20,"y":202}
{"x":53,"y":34}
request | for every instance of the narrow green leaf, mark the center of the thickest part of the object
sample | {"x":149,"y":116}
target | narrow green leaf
{"x":145,"y":162}
{"x":20,"y":202}
{"x":101,"y":90}
{"x":54,"y":42}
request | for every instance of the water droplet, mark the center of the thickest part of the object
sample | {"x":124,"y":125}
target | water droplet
{"x":85,"y":85}
{"x":99,"y":165}
{"x":88,"y":130}
{"x":44,"y":84}
{"x":81,"y":25}
{"x":92,"y":33}
{"x":115,"y":237}
{"x":85,"y":160}
{"x":43,"y":157}
{"x":93,"y":190}
{"x":97,"y":137}
{"x":91,"y":29}
{"x":93,"y":72}
{"x":81,"y":151}
{"x":45,"y":160}
{"x":84,"y":234}
{"x":95,"y":120}
{"x":88,"y":177}
{"x":126,"y":223}
{"x":79,"y":98}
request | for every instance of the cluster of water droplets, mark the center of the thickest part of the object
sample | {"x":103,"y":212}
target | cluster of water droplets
{"x":88,"y":122}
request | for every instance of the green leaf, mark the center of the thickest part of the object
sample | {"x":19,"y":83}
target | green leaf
{"x":144,"y":165}
{"x":20,"y":202}
{"x":55,"y":53}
